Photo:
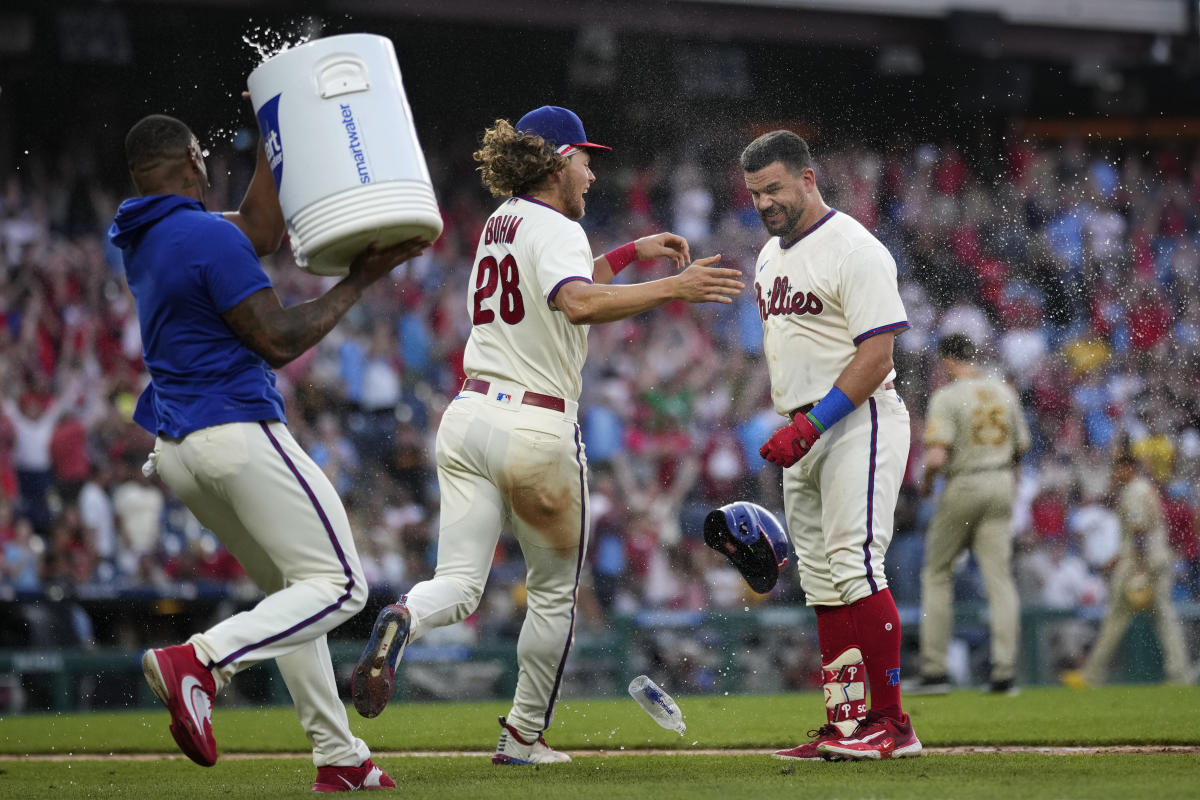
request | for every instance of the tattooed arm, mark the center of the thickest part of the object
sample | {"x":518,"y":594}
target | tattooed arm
{"x":281,"y":334}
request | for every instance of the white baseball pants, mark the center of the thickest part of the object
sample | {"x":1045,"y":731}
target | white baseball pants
{"x":252,"y":485}
{"x":840,"y":501}
{"x":504,"y":463}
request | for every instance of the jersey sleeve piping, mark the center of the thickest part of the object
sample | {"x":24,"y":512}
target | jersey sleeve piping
{"x":894,"y":327}
{"x":553,"y":292}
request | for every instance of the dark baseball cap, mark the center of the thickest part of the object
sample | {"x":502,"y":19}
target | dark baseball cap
{"x":559,"y":126}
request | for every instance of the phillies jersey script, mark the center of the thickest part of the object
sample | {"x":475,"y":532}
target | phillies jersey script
{"x":819,"y":296}
{"x":528,"y":250}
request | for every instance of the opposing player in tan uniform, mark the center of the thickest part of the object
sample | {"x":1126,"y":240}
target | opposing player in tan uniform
{"x":508,"y":449}
{"x":1141,"y":580}
{"x":974,"y":433}
{"x":830,"y":309}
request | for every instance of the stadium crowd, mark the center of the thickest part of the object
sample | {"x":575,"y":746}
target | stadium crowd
{"x":1075,"y":266}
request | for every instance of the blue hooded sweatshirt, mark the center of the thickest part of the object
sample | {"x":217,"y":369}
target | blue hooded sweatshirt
{"x":186,"y":267}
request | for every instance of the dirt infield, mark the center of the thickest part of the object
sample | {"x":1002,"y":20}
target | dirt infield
{"x":1109,"y":750}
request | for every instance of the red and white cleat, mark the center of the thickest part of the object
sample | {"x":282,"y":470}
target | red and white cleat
{"x":876,"y":738}
{"x":186,"y":687}
{"x":808,"y":750}
{"x":364,"y":777}
{"x":515,"y":751}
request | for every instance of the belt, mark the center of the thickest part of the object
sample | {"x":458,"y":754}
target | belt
{"x":807,"y":407}
{"x":529,"y":398}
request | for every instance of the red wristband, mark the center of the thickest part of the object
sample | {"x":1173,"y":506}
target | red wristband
{"x":621,"y":257}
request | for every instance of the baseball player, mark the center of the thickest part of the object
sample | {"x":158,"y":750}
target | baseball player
{"x":508,"y":448}
{"x":1141,"y":580}
{"x":974,"y":433}
{"x":830,"y":309}
{"x":212,"y":329}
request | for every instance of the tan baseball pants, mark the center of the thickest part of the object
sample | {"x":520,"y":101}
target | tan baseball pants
{"x":975,"y":511}
{"x":1118,"y":617}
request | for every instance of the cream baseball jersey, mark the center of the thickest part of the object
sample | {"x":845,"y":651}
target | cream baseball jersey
{"x":980,"y":421}
{"x":526,"y":252}
{"x":819,"y":296}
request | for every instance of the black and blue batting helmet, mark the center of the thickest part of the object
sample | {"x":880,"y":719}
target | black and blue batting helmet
{"x":752,"y":539}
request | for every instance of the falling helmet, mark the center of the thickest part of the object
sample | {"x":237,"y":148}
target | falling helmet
{"x":752,"y":539}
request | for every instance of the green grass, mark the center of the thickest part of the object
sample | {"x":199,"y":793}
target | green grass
{"x":596,"y":731}
{"x":1045,"y":716}
{"x":976,"y":777}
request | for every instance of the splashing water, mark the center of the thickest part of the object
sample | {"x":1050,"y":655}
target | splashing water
{"x":265,"y":43}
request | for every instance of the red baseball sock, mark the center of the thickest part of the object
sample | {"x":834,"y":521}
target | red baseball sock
{"x":835,"y":631}
{"x":877,"y":624}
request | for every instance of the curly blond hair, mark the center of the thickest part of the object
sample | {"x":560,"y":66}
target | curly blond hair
{"x":513,"y":163}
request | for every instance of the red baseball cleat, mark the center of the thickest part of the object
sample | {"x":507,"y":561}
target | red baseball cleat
{"x":364,"y":777}
{"x":808,"y":750}
{"x":876,"y":738}
{"x":186,"y":687}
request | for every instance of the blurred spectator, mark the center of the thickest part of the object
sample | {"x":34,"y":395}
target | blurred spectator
{"x":70,"y":559}
{"x":68,"y":455}
{"x":1096,"y":530}
{"x":1183,"y":533}
{"x":34,"y":418}
{"x":96,"y":513}
{"x":22,"y":557}
{"x":138,"y":506}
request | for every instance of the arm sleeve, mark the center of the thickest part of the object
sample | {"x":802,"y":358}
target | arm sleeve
{"x":232,"y":271}
{"x":939,"y":423}
{"x":870,"y":293}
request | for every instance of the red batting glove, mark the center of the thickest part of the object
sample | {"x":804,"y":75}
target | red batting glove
{"x":789,"y":444}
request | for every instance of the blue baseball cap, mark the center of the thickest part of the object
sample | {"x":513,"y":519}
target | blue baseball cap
{"x":559,"y":126}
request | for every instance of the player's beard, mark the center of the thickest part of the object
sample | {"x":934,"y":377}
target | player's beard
{"x":782,"y":220}
{"x":573,"y":204}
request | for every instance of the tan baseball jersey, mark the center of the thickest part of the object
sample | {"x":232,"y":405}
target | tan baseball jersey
{"x":1143,"y":530}
{"x":980,"y":420}
{"x":527,"y":250}
{"x":819,"y":296}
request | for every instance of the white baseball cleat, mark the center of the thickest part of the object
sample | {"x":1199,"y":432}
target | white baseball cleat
{"x":514,"y":751}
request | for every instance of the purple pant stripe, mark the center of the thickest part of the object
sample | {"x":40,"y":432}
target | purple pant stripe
{"x":871,"y":495}
{"x":583,"y":499}
{"x":337,"y":547}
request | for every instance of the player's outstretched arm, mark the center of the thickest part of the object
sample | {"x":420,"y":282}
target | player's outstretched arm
{"x":591,"y":303}
{"x":260,"y":216}
{"x":281,"y":334}
{"x":660,"y":245}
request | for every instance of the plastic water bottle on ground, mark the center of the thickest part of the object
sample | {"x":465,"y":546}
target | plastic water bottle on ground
{"x":657,"y":703}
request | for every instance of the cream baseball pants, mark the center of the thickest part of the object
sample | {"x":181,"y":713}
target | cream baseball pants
{"x":503,"y":464}
{"x":252,"y":485}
